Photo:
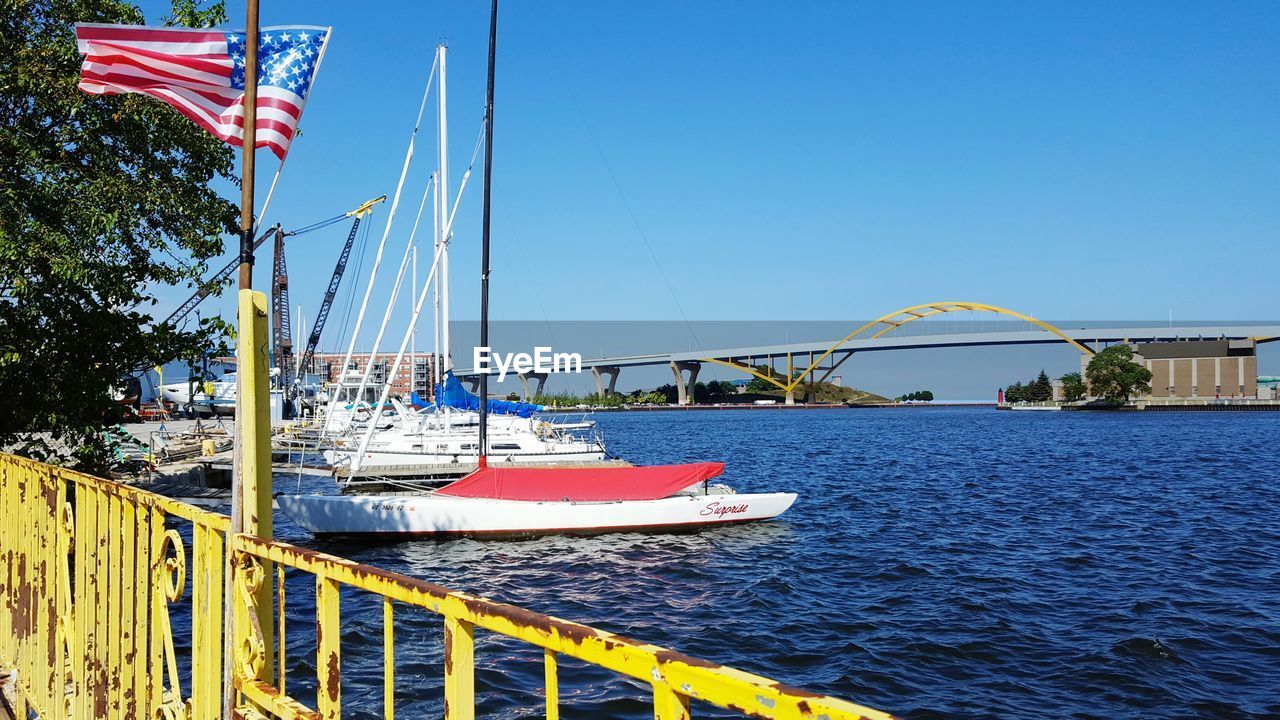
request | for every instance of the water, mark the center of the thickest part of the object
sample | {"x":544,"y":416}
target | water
{"x":939,"y":562}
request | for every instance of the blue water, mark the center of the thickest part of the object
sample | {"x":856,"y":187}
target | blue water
{"x":939,"y":562}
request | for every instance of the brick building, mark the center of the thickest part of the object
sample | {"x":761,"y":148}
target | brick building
{"x":414,"y":375}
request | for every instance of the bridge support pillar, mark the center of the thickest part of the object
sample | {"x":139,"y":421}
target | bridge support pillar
{"x":685,"y":389}
{"x":540,"y":378}
{"x":791,"y":397}
{"x":610,"y":370}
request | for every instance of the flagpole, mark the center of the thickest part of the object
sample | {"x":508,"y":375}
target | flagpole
{"x":241,"y":504}
{"x":247,"y":146}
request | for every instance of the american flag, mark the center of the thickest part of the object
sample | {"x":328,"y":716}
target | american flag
{"x":201,"y":74}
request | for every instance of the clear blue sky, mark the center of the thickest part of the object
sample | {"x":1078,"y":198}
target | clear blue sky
{"x":814,"y":160}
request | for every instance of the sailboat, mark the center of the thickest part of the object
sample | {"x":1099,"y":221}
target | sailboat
{"x":501,"y":500}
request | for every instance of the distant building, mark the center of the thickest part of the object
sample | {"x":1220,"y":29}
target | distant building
{"x":1199,"y":368}
{"x":414,"y":376}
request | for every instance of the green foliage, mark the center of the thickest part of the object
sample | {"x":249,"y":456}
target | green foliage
{"x":101,"y":199}
{"x":1038,"y":390}
{"x":718,"y":391}
{"x":669,"y":393}
{"x":917,"y":396}
{"x":757,"y":385}
{"x":1114,"y":376}
{"x":569,"y":400}
{"x":1073,"y":388}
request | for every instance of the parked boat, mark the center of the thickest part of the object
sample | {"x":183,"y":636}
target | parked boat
{"x":500,"y":502}
{"x":217,"y":397}
{"x":440,"y":439}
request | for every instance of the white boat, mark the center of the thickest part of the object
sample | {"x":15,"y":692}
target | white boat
{"x":210,"y":396}
{"x":349,"y":405}
{"x":436,"y":515}
{"x":214,"y":396}
{"x":522,"y":502}
{"x":443,"y":438}
{"x":448,"y":433}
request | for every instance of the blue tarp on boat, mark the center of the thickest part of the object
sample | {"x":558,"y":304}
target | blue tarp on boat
{"x":451,"y":394}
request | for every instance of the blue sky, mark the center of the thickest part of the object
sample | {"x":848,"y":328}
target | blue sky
{"x":813,"y":160}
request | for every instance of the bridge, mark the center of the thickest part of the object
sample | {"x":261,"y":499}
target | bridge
{"x":811,"y":362}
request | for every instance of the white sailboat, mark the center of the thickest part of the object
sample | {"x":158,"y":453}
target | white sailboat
{"x":503,"y":498}
{"x":476,"y":507}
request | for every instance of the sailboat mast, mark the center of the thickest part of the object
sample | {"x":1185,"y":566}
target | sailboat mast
{"x":443,"y":128}
{"x":484,"y":231}
{"x":413,"y":342}
{"x":435,"y":338}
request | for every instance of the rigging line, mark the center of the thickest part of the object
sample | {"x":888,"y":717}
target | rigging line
{"x":318,"y":225}
{"x":475,"y":152}
{"x":537,"y":296}
{"x":618,"y":186}
{"x":466,"y":175}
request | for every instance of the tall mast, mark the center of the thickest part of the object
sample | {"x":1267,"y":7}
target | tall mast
{"x":435,"y":288}
{"x":484,"y":230}
{"x":443,"y":128}
{"x":413,"y":343}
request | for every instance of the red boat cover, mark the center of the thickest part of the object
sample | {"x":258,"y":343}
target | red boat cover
{"x":591,"y":484}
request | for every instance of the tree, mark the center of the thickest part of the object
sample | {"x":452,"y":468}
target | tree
{"x":720,"y":389}
{"x":1040,"y":389}
{"x":1015,"y":393}
{"x":670,"y":393}
{"x":101,"y":199}
{"x":757,"y":384}
{"x":1073,"y":388}
{"x":1113,"y":375}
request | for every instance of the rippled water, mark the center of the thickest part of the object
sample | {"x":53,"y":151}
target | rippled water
{"x":939,"y":562}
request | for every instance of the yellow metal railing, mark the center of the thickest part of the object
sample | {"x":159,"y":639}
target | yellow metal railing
{"x":93,"y":566}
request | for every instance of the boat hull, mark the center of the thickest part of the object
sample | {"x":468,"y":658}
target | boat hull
{"x":440,"y":516}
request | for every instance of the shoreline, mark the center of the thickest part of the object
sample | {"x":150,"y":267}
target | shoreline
{"x":779,"y":406}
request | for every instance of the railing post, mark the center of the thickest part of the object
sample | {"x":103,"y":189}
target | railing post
{"x":328,"y":649}
{"x":551,"y":676}
{"x":388,"y":661}
{"x":459,"y":669}
{"x":254,"y":411}
{"x":669,"y":704}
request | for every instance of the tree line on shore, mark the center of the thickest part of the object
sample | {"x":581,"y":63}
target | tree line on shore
{"x":1111,"y":375}
{"x":713,"y":391}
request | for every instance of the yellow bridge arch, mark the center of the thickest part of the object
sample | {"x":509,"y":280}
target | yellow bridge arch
{"x":888,"y":323}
